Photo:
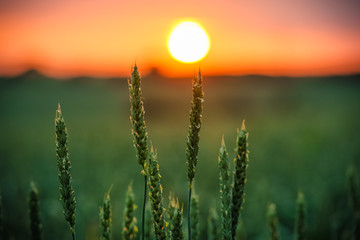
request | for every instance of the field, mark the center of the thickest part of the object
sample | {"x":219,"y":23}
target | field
{"x":303,"y":135}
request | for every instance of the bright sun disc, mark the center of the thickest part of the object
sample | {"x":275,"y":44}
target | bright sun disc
{"x":188,"y":42}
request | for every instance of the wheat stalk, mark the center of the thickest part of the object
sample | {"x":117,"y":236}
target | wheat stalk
{"x":175,"y":214}
{"x":273,"y":222}
{"x":67,"y":194}
{"x":225,"y":192}
{"x":241,"y":164}
{"x":194,"y":216}
{"x":105,"y":218}
{"x":155,"y":195}
{"x":130,"y":229}
{"x":300,"y":217}
{"x":137,"y":118}
{"x":34,"y":214}
{"x":193,"y":137}
{"x":213,"y":225}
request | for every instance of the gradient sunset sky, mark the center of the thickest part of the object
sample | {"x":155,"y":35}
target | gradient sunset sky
{"x":105,"y":37}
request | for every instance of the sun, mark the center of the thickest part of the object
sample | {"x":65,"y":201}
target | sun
{"x":188,"y":42}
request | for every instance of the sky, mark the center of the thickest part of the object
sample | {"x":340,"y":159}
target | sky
{"x":106,"y":37}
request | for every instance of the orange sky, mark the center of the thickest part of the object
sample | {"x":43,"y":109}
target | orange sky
{"x":104,"y":38}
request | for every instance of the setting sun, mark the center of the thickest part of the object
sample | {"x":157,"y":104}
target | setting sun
{"x":188,"y":42}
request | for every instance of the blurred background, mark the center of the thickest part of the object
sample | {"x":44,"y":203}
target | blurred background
{"x":302,"y":136}
{"x":290,"y":69}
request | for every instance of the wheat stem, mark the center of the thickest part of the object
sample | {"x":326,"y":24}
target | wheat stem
{"x":67,"y":194}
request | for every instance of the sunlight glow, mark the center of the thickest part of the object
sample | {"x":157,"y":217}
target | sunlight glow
{"x":188,"y":42}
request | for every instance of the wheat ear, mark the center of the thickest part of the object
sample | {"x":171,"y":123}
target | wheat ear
{"x":300,"y":217}
{"x":194,"y":128}
{"x":175,"y":214}
{"x":105,"y":218}
{"x":34,"y":213}
{"x":155,"y":195}
{"x":130,"y":229}
{"x":225,"y":192}
{"x":273,"y":222}
{"x":67,"y":194}
{"x":241,"y":164}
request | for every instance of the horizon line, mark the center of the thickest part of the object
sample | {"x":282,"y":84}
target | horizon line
{"x":155,"y":72}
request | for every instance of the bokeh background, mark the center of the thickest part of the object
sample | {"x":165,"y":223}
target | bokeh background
{"x":302,"y":136}
{"x":289,"y":68}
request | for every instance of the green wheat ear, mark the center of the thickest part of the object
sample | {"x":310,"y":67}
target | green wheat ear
{"x":194,"y":128}
{"x":34,"y":213}
{"x":175,"y":214}
{"x":300,"y":217}
{"x":137,"y":114}
{"x":273,"y":222}
{"x":225,"y":192}
{"x":241,"y":164}
{"x":155,"y":195}
{"x":194,"y":215}
{"x":67,"y":194}
{"x":130,"y":229}
{"x":105,"y":218}
{"x":213,"y":232}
